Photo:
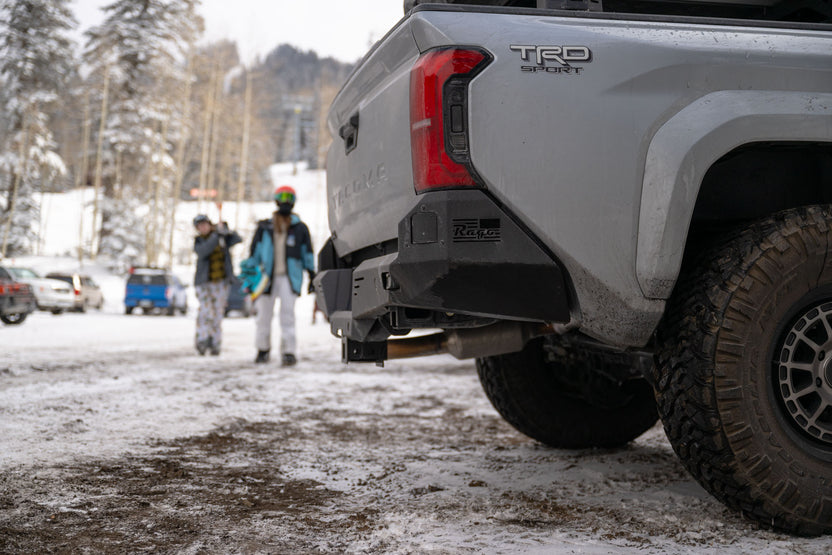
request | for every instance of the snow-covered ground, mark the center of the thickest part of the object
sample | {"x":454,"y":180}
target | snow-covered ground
{"x":116,"y":437}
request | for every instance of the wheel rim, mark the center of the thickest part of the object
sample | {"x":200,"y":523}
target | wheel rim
{"x":803,"y":377}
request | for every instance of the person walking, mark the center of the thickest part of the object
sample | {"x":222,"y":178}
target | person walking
{"x":280,"y":252}
{"x":212,"y":280}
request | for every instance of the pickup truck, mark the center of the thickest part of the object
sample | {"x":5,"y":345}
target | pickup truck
{"x":621,"y":210}
{"x":154,"y":289}
{"x":16,"y":299}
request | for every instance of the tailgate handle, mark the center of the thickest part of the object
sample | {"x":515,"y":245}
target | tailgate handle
{"x":349,"y":132}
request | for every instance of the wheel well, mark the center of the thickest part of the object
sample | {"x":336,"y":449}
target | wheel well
{"x":756,"y":180}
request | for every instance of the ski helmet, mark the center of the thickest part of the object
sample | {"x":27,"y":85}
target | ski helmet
{"x":201,"y":218}
{"x":285,"y":197}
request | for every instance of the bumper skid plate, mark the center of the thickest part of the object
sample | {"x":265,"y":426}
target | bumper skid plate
{"x":458,"y":253}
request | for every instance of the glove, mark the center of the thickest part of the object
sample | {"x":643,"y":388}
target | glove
{"x":222,"y":228}
{"x":311,"y":288}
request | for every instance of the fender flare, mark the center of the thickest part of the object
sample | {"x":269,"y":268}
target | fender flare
{"x":687,"y":145}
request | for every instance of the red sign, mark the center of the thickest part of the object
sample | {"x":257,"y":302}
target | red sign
{"x":207,"y":193}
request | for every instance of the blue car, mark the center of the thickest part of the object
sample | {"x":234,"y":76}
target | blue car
{"x":154,"y":290}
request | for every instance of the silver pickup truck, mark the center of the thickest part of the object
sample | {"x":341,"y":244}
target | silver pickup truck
{"x":621,"y":209}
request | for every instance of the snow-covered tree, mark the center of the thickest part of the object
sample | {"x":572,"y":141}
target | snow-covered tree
{"x":36,"y":56}
{"x":138,"y":56}
{"x":125,"y":232}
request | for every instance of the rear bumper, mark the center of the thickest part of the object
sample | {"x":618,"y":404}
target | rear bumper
{"x":462,"y":261}
{"x":17,"y":304}
{"x":147,"y":303}
{"x":47,"y":301}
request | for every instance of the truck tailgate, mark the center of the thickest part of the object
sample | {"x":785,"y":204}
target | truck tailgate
{"x":370,"y":184}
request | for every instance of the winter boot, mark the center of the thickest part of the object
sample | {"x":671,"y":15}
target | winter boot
{"x":289,"y":360}
{"x":215,"y":349}
{"x":203,"y":346}
{"x":262,"y":357}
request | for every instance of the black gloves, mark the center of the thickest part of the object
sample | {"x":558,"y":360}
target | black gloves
{"x":311,"y":288}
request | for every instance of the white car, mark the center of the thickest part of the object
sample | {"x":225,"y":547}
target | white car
{"x":87,"y":292}
{"x":51,"y":294}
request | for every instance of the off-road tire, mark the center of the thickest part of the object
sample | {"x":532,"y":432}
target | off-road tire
{"x":527,"y":390}
{"x":724,"y":373}
{"x":14,"y":319}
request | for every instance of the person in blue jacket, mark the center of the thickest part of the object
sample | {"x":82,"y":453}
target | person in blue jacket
{"x":280,"y":252}
{"x":212,"y":279}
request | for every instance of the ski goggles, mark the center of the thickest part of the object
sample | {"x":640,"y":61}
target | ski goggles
{"x":284,"y":197}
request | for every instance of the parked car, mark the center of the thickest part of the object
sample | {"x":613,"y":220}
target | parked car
{"x":237,"y":300}
{"x":154,"y":289}
{"x":16,"y":299}
{"x":87,"y":292}
{"x":53,"y":295}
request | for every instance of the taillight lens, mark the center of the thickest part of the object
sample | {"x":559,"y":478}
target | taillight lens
{"x":439,"y":117}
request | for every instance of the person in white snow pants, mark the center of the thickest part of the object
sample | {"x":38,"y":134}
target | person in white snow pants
{"x":264,"y":304}
{"x":280,"y":252}
{"x":212,"y":280}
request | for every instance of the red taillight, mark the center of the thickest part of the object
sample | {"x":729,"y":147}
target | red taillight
{"x":438,"y":117}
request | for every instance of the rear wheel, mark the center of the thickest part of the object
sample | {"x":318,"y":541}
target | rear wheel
{"x":570,"y":395}
{"x":14,"y":319}
{"x":128,"y":310}
{"x":744,"y":370}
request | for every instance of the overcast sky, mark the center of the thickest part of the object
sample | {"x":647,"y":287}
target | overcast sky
{"x":343,"y":29}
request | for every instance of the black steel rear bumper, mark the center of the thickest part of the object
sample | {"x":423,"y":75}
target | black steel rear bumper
{"x":462,"y":261}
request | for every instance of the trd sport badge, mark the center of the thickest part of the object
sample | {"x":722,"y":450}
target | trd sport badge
{"x":558,"y":60}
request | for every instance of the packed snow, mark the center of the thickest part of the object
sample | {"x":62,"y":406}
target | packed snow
{"x":115,"y":436}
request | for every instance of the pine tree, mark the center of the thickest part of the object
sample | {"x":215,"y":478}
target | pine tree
{"x":36,"y":56}
{"x":139,"y":51}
